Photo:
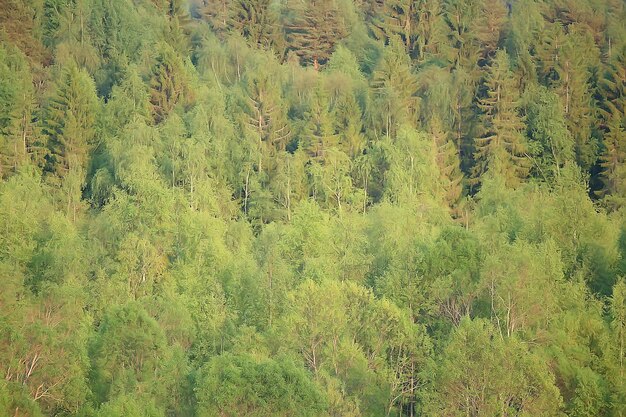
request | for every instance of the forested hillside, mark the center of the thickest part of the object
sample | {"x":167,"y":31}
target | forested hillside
{"x":312,"y":208}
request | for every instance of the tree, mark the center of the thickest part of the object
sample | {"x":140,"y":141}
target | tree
{"x":431,"y":30}
{"x":218,"y":14}
{"x":481,"y":373}
{"x":348,"y":123}
{"x":313,"y":28}
{"x":71,"y":115}
{"x":617,"y":354}
{"x":613,"y":89}
{"x":266,"y":115}
{"x":612,"y":162}
{"x":258,"y":21}
{"x":318,"y":135}
{"x":460,"y":17}
{"x":493,"y":15}
{"x":568,"y":70}
{"x":502,"y":145}
{"x":413,"y":172}
{"x":448,"y":162}
{"x":394,"y":86}
{"x":17,"y":105}
{"x":130,"y":354}
{"x":550,"y":143}
{"x":397,"y":18}
{"x":232,"y":385}
{"x":618,"y":323}
{"x":168,"y":85}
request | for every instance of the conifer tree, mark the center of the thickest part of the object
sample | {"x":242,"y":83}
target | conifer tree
{"x":397,"y":18}
{"x":257,"y":21}
{"x":348,"y":122}
{"x":70,"y":119}
{"x":17,"y":105}
{"x":167,"y":83}
{"x":503,"y":128}
{"x":493,"y":16}
{"x":218,"y":15}
{"x":319,"y":131}
{"x":550,"y":143}
{"x":612,"y":88}
{"x":313,"y":28}
{"x":448,"y":162}
{"x":431,"y":30}
{"x":265,"y":113}
{"x":461,"y":16}
{"x":577,"y":56}
{"x":612,"y":162}
{"x":395,"y":88}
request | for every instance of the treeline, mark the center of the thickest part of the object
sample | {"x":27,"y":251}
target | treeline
{"x":312,"y":208}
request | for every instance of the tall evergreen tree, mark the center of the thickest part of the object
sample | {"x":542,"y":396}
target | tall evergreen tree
{"x":313,"y":27}
{"x":503,"y":138}
{"x":448,"y":163}
{"x":70,"y":120}
{"x":395,"y":88}
{"x":17,"y":106}
{"x":612,"y":162}
{"x":266,"y":113}
{"x":258,"y":21}
{"x":167,"y":83}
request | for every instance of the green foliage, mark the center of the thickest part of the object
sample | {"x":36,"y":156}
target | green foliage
{"x":271,"y":208}
{"x":240,"y":385}
{"x":482,"y":373}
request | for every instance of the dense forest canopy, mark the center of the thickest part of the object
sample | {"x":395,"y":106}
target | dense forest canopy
{"x":312,"y":208}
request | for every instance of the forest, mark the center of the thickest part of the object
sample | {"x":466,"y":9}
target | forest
{"x":312,"y":208}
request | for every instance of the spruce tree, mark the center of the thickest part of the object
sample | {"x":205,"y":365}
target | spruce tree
{"x":217,"y":13}
{"x":431,"y":30}
{"x":612,"y":162}
{"x":502,"y":126}
{"x":265,"y":113}
{"x":17,"y":105}
{"x":395,"y":87}
{"x":257,"y":21}
{"x":397,"y":18}
{"x":461,"y":16}
{"x":313,"y":27}
{"x":70,"y":121}
{"x":449,"y":165}
{"x":167,"y":83}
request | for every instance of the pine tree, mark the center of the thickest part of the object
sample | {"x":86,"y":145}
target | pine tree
{"x":70,"y":118}
{"x":17,"y":105}
{"x":461,"y":16}
{"x":266,"y":116}
{"x":395,"y":88}
{"x":313,"y":28}
{"x":613,"y":162}
{"x":503,"y":139}
{"x":167,"y":83}
{"x":431,"y":30}
{"x":397,"y":18}
{"x":448,"y":163}
{"x":218,"y":15}
{"x":493,"y":17}
{"x":257,"y":21}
